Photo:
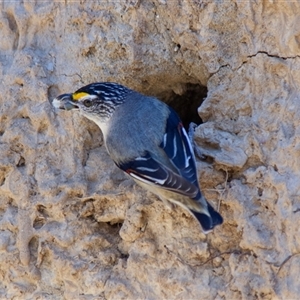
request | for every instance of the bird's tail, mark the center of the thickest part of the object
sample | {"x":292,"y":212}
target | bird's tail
{"x":210,"y":220}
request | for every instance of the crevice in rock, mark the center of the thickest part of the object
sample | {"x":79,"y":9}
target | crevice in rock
{"x":267,"y":54}
{"x":90,"y":51}
{"x":273,"y":55}
{"x":33,"y":248}
{"x":117,"y":225}
{"x":41,"y":217}
{"x":72,"y":75}
{"x":21,"y":162}
{"x":113,"y":227}
{"x":221,"y":67}
{"x":13,"y":26}
{"x":2,"y":177}
{"x":124,"y":256}
{"x":254,"y":55}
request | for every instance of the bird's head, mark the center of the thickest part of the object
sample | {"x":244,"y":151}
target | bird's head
{"x":96,"y":100}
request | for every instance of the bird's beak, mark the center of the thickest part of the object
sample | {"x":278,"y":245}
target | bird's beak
{"x":64,"y":101}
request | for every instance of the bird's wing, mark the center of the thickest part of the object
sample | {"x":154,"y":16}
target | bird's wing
{"x":150,"y":171}
{"x":179,"y":151}
{"x":178,"y":148}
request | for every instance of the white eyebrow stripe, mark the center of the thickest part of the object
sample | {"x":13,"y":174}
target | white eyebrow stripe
{"x":91,"y":97}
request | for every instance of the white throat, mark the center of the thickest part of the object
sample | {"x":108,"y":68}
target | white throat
{"x":102,"y":124}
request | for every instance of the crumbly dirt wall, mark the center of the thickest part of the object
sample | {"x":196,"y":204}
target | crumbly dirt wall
{"x":73,"y":226}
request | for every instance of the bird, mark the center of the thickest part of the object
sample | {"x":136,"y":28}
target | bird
{"x":146,"y":139}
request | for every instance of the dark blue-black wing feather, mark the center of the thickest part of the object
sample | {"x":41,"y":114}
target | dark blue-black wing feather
{"x":149,"y":170}
{"x":178,"y":148}
{"x":182,"y":178}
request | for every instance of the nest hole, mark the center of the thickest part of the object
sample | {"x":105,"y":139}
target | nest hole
{"x":187,"y":103}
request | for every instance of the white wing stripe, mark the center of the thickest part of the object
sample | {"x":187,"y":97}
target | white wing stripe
{"x":190,"y":146}
{"x":146,"y":181}
{"x":165,"y":140}
{"x":141,"y":158}
{"x":174,"y":147}
{"x":147,"y":169}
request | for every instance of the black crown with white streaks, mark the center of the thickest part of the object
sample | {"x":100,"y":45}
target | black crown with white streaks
{"x":107,"y":91}
{"x":103,"y":98}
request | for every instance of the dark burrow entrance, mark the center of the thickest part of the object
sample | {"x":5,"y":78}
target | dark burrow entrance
{"x":186,"y":105}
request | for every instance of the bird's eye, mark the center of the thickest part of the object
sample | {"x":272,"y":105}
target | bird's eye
{"x":87,"y":103}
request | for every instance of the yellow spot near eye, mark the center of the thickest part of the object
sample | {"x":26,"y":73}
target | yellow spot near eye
{"x":77,"y":96}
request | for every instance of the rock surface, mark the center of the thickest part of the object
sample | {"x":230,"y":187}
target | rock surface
{"x":73,"y":226}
